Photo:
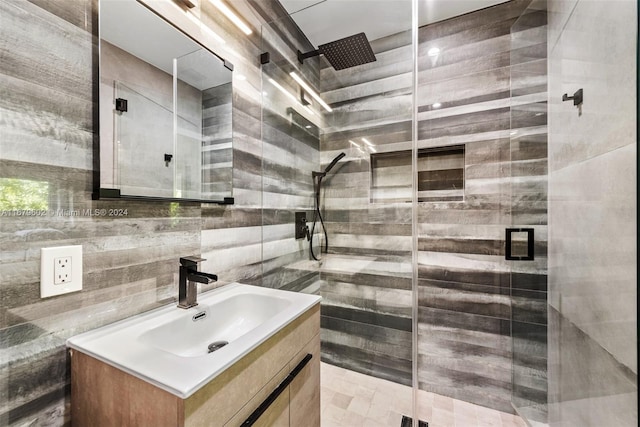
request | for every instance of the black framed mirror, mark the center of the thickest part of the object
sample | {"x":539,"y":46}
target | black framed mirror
{"x":165,"y":111}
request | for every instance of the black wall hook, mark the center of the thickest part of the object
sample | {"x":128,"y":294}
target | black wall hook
{"x":577,"y":98}
{"x":121,"y":105}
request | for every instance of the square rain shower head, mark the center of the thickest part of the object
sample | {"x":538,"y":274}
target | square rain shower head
{"x":348,"y":52}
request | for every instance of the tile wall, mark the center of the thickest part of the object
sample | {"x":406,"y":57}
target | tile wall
{"x":465,"y":295}
{"x":470,"y":296}
{"x":593,"y":214}
{"x":47,"y":129}
{"x":366,"y":279}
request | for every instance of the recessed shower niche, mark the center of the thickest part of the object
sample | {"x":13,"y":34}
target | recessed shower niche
{"x":165,"y":110}
{"x":440,"y":175}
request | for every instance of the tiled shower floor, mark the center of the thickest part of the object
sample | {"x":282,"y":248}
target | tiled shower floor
{"x":351,"y":399}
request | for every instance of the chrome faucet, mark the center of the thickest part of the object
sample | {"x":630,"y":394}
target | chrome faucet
{"x":189,"y":275}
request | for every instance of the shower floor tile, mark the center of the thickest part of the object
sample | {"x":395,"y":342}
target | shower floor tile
{"x":351,"y":399}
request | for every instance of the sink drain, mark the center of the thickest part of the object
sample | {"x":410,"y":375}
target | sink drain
{"x":217,"y":345}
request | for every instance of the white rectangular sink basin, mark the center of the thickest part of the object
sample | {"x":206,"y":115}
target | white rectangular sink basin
{"x":221,"y":321}
{"x":170,"y":347}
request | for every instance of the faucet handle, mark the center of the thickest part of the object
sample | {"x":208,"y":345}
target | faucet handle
{"x":200,"y":277}
{"x":191,"y":261}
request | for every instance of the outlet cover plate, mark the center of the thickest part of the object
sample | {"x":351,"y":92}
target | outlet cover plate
{"x":71,"y":258}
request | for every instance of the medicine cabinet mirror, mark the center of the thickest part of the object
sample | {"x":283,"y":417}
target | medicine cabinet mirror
{"x":165,"y":111}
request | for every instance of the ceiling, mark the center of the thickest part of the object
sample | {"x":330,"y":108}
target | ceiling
{"x":328,"y":20}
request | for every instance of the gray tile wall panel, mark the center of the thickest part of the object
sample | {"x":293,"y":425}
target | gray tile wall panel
{"x":130,"y":262}
{"x":465,"y":285}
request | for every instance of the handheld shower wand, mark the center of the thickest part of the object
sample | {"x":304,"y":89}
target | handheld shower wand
{"x":317,"y":215}
{"x":333,"y":162}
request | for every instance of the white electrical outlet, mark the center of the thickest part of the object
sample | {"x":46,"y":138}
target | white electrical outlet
{"x":60,"y":270}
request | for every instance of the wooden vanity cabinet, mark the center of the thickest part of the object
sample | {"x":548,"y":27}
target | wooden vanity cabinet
{"x":102,"y":395}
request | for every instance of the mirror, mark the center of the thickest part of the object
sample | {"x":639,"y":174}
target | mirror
{"x":165,"y":110}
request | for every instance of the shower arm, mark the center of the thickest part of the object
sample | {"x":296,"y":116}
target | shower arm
{"x":307,"y":55}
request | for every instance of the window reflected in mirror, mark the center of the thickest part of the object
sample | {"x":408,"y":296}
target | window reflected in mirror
{"x":23,"y":195}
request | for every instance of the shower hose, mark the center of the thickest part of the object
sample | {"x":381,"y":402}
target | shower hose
{"x":317,"y":215}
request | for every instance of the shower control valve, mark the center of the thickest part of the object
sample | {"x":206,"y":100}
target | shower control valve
{"x":302,"y":230}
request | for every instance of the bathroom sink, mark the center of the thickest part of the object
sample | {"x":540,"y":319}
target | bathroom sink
{"x":180,"y":350}
{"x":222,"y":321}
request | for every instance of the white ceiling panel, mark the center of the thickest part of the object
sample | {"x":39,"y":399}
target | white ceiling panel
{"x":328,"y":20}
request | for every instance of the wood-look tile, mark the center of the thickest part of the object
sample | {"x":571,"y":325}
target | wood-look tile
{"x":130,"y":262}
{"x":147,"y":243}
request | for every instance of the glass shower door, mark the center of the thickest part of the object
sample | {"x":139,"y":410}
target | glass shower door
{"x":146,"y":127}
{"x":528,"y":233}
{"x":470,"y":294}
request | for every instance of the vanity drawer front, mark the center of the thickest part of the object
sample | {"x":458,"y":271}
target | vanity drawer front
{"x":248,"y":409}
{"x":277,"y":415}
{"x":102,"y":395}
{"x":298,"y":385}
{"x":227,"y":394}
{"x":304,"y":390}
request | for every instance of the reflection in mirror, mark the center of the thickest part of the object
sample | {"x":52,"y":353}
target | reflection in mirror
{"x":203,"y":92}
{"x":23,"y":195}
{"x":165,"y":109}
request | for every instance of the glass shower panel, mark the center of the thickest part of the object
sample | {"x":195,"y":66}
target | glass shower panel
{"x":146,"y":127}
{"x":593,"y":288}
{"x":528,"y":148}
{"x":290,"y":152}
{"x":367,"y":273}
{"x":365,"y":276}
{"x":464,"y":279}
